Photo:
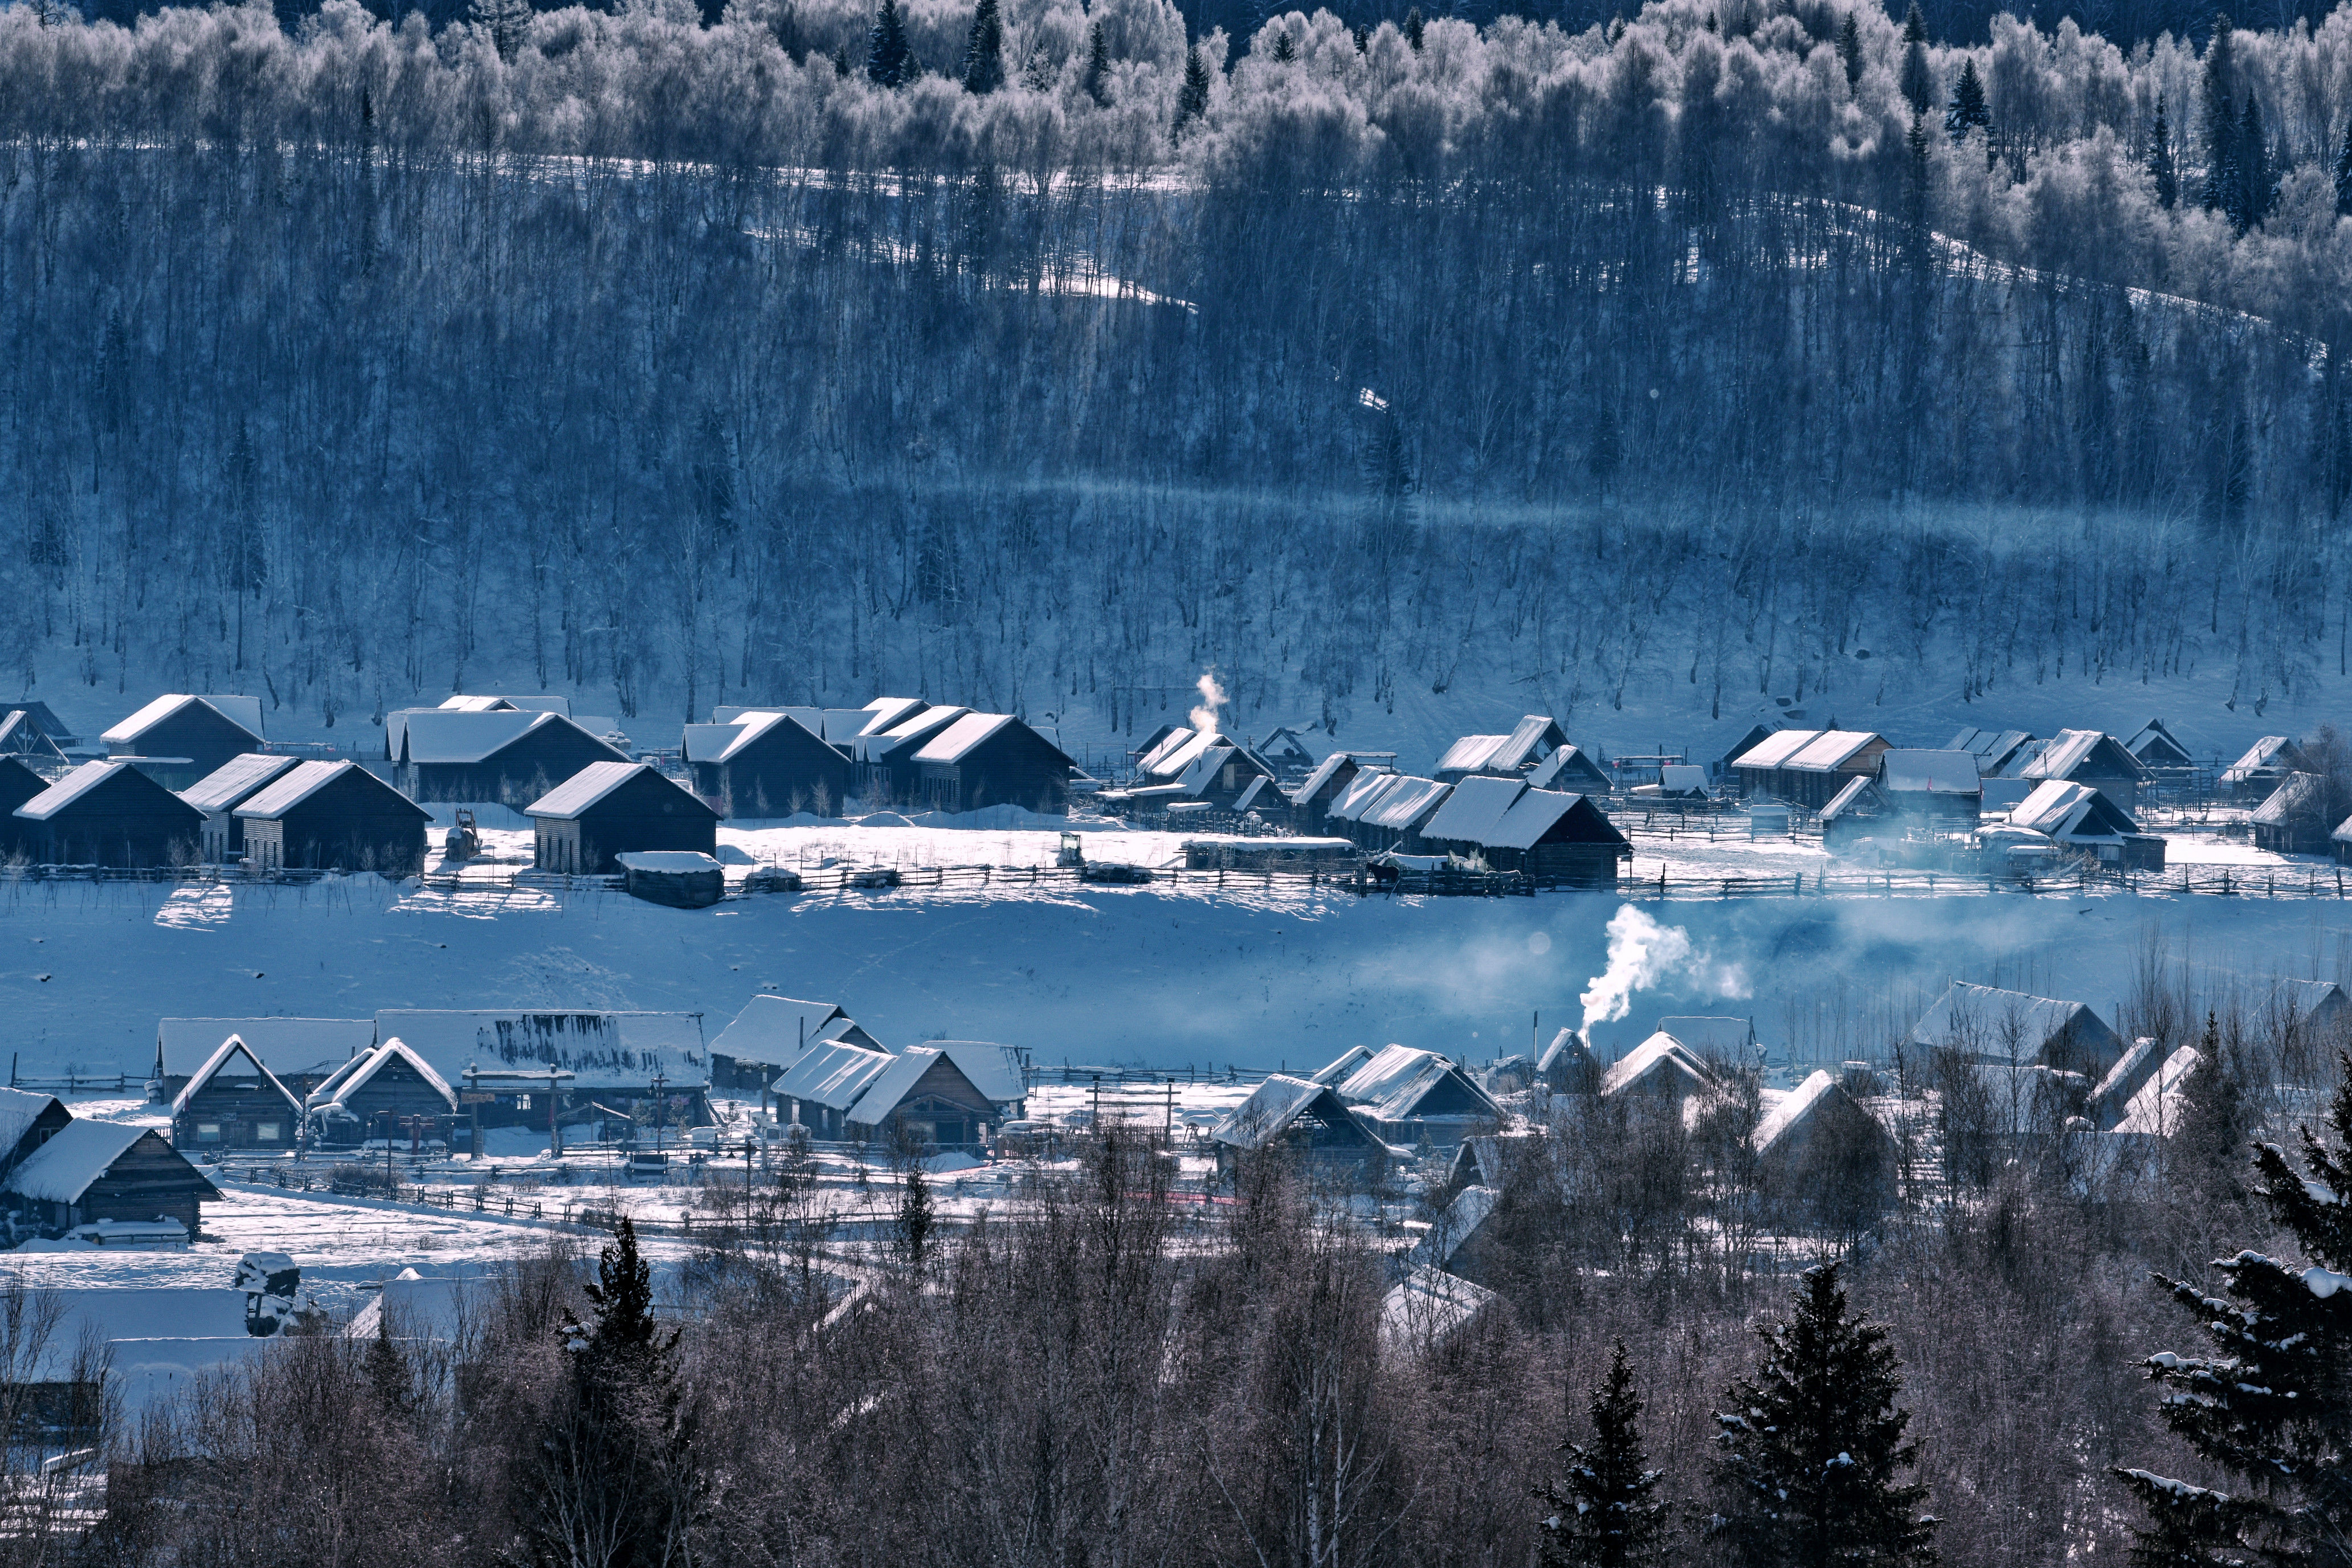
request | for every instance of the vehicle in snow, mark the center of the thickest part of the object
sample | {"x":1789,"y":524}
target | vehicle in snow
{"x":464,"y":840}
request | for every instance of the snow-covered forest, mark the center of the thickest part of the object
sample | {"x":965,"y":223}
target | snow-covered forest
{"x":1705,"y":352}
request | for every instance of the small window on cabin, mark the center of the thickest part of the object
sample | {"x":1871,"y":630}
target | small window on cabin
{"x":264,"y":1132}
{"x":207,"y":1131}
{"x":522,"y":1102}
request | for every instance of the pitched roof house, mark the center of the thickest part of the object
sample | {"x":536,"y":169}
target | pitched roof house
{"x":233,"y":1101}
{"x":2264,"y":767}
{"x":1300,"y":1115}
{"x":299,"y":1052}
{"x":1986,"y":1024}
{"x":2158,"y":750}
{"x":1406,"y":1095}
{"x":507,"y":757}
{"x":823,"y":1086}
{"x":992,"y":759}
{"x":187,"y":736}
{"x":2078,"y":817}
{"x":771,"y":1033}
{"x":775,"y":764}
{"x":92,"y":1170}
{"x":109,"y":813}
{"x":333,"y":816}
{"x":613,"y":808}
{"x":1807,"y":767}
{"x":924,"y":1097}
{"x":2294,"y":819}
{"x":219,"y":792}
{"x":2089,"y":757}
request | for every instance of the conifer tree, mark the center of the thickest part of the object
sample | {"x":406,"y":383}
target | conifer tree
{"x":506,"y":21}
{"x":1967,"y":111}
{"x":2256,"y":168}
{"x":2160,"y":166}
{"x":1603,"y":1515}
{"x":1192,"y":97}
{"x":2344,"y":171}
{"x":1849,"y":48}
{"x":1412,"y":28}
{"x":984,"y":52}
{"x":2271,"y":1405}
{"x":1284,"y":51}
{"x":916,"y":1216}
{"x":1812,"y":1444}
{"x":1917,"y":82}
{"x":1097,"y":80}
{"x":2222,"y":187}
{"x":890,"y":60}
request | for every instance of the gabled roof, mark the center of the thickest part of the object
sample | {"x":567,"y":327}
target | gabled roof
{"x":1363,"y":792}
{"x":1259,"y":787}
{"x":464,"y":704}
{"x":1798,"y":1107}
{"x":2071,"y":751}
{"x":1984,"y":1019}
{"x":1177,"y":753}
{"x":2271,"y":753}
{"x":1861,"y":797}
{"x":2298,"y":796}
{"x":1699,"y":1034}
{"x":76,"y":1155}
{"x":330,"y":1086}
{"x":1471,"y":1208}
{"x":75,"y":784}
{"x":1405,"y":807}
{"x":1566,"y":1052}
{"x":1930,"y":773}
{"x":1830,"y":750}
{"x":19,"y":1108}
{"x":1473,"y":810}
{"x":435,"y":735}
{"x":2156,"y":746}
{"x":1427,"y":1307}
{"x":127,"y":732}
{"x":1393,"y":1085}
{"x":1345,"y":1063}
{"x":284,"y":1046}
{"x":1322,"y":774}
{"x":957,"y":742}
{"x":581,"y":793}
{"x":382,"y":1057}
{"x":232,"y":1049}
{"x":2066,"y":810}
{"x":1531,"y":740}
{"x":21,"y":735}
{"x":307,"y":780}
{"x":1775,"y":750}
{"x":1993,"y":748}
{"x":2158,"y":1107}
{"x":754,"y":725}
{"x":889,"y":713}
{"x":1278,"y":1104}
{"x":1536,"y":813}
{"x":993,"y":1069}
{"x":230,"y":784}
{"x":602,"y":1048}
{"x":1570,"y":766}
{"x":833,"y":1074}
{"x":1659,"y":1064}
{"x":704,"y":742}
{"x":892,"y":1086}
{"x":2133,"y":1069}
{"x":912,"y":731}
{"x":777,"y":1031}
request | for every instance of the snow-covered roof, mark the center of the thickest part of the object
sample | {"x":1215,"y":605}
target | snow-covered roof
{"x":1570,"y":766}
{"x":1427,"y":1306}
{"x":383,"y":1056}
{"x":233,"y":780}
{"x":1273,"y":1106}
{"x":753,"y":726}
{"x":1403,"y":808}
{"x":2071,"y":813}
{"x":1345,"y":1063}
{"x":284,"y":1046}
{"x":589,"y":786}
{"x":1363,"y":792}
{"x":1936,"y":772}
{"x":1532,"y":740}
{"x":76,"y":1155}
{"x":892,"y":1086}
{"x":1775,"y":750}
{"x":1473,"y":810}
{"x":2297,"y":796}
{"x":1202,"y":772}
{"x":439,"y":735}
{"x":1537,"y":812}
{"x":307,"y":780}
{"x":2159,"y":1105}
{"x":1830,"y":750}
{"x":666,"y":860}
{"x":1393,"y":1085}
{"x":1566,"y":1050}
{"x":776,"y":1031}
{"x":1793,"y":1110}
{"x":602,"y":1049}
{"x":1660,"y":1064}
{"x":2069,"y":750}
{"x":1469,"y":751}
{"x":464,"y":704}
{"x":1985,"y":1020}
{"x":19,"y":1108}
{"x":1175,"y":755}
{"x":887,"y":713}
{"x":2271,"y":753}
{"x":993,"y":1069}
{"x":1258,"y":788}
{"x":328,"y":1086}
{"x":1444,"y":1241}
{"x":1700,"y":1035}
{"x":705,"y":743}
{"x":1322,"y":774}
{"x":234,"y":709}
{"x":232,"y":1049}
{"x":1170,"y":738}
{"x":2155,"y":742}
{"x":1991,"y":747}
{"x":833,"y":1074}
{"x":957,"y":742}
{"x":1859,"y":795}
{"x":72,"y":787}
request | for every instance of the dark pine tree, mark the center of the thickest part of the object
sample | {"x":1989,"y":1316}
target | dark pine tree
{"x":1604,"y":1514}
{"x":2222,"y":189}
{"x":2160,"y":166}
{"x":2344,"y":171}
{"x":1849,"y":48}
{"x":983,"y":51}
{"x":1967,"y":111}
{"x":1812,"y":1445}
{"x":889,"y":62}
{"x":2257,"y":169}
{"x":2271,"y":1405}
{"x":1192,"y":97}
{"x":1284,"y":51}
{"x":1412,"y":28}
{"x":1096,"y":81}
{"x":916,"y":1215}
{"x":1917,"y":82}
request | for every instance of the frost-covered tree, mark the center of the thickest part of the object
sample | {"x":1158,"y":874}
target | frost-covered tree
{"x":506,"y":21}
{"x":983,"y":51}
{"x":2269,"y":1404}
{"x":889,"y":58}
{"x":1813,"y":1444}
{"x":1604,"y":1512}
{"x":1967,"y":111}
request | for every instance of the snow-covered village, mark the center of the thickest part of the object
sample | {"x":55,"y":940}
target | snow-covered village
{"x":1044,"y":784}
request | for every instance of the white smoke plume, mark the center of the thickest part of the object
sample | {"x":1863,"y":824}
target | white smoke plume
{"x":1642,"y":953}
{"x":1213,"y":696}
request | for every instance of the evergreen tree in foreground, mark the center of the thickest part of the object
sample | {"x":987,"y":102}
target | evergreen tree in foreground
{"x":1603,"y":1515}
{"x":1967,"y":111}
{"x":2160,"y":167}
{"x":2272,"y":1406}
{"x":1096,"y":81}
{"x":983,"y":53}
{"x":889,"y":62}
{"x":1812,"y":1444}
{"x":1192,"y":97}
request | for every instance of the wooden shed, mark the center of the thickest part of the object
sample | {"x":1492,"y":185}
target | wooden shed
{"x":334,"y":817}
{"x":2296,"y":818}
{"x":1939,"y":791}
{"x":382,"y":1094}
{"x":992,"y":759}
{"x":775,"y":765}
{"x":924,"y":1096}
{"x":110,"y":814}
{"x":678,"y":879}
{"x":505,"y":758}
{"x":1302,"y":1117}
{"x":233,"y":1101}
{"x":183,"y":738}
{"x":609,"y":808}
{"x":219,"y":792}
{"x":1994,"y":750}
{"x":90,"y":1170}
{"x":1807,"y":767}
{"x":1406,"y":1095}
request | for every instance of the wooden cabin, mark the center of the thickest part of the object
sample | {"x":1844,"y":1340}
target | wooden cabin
{"x":1994,"y":750}
{"x":219,"y":792}
{"x":1807,"y":767}
{"x":503,"y":757}
{"x":1531,"y":740}
{"x":1939,"y":791}
{"x":612,"y":808}
{"x":18,"y":784}
{"x":1286,"y":751}
{"x":109,"y":813}
{"x":2296,"y":818}
{"x":92,"y":1170}
{"x":1300,"y":1117}
{"x":1407,"y":1095}
{"x":390,"y":1092}
{"x":818,"y":1091}
{"x":885,"y":773}
{"x":926,"y":1097}
{"x":1561,"y":840}
{"x":233,"y":1101}
{"x":301,"y":1053}
{"x":1987,"y":1024}
{"x":2160,"y":751}
{"x":1314,"y":795}
{"x":771,"y":1033}
{"x":2088,"y":757}
{"x":2263,"y":768}
{"x":777,"y":766}
{"x":1721,"y":768}
{"x":179,"y":737}
{"x":334,"y":817}
{"x":27,"y":1120}
{"x":992,"y":759}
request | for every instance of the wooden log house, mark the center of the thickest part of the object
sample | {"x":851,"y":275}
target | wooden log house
{"x":613,"y":808}
{"x":110,"y":814}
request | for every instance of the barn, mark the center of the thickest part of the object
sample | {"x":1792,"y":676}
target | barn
{"x":924,"y":1097}
{"x":771,"y":1033}
{"x":2088,"y":757}
{"x":110,"y":814}
{"x":1807,"y":767}
{"x":390,"y":1092}
{"x":334,"y":817}
{"x":507,"y":757}
{"x":181,"y":738}
{"x":775,"y":765}
{"x":610,"y":808}
{"x":90,"y":1170}
{"x":992,"y":759}
{"x":233,"y":1101}
{"x":219,"y":792}
{"x":299,"y":1052}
